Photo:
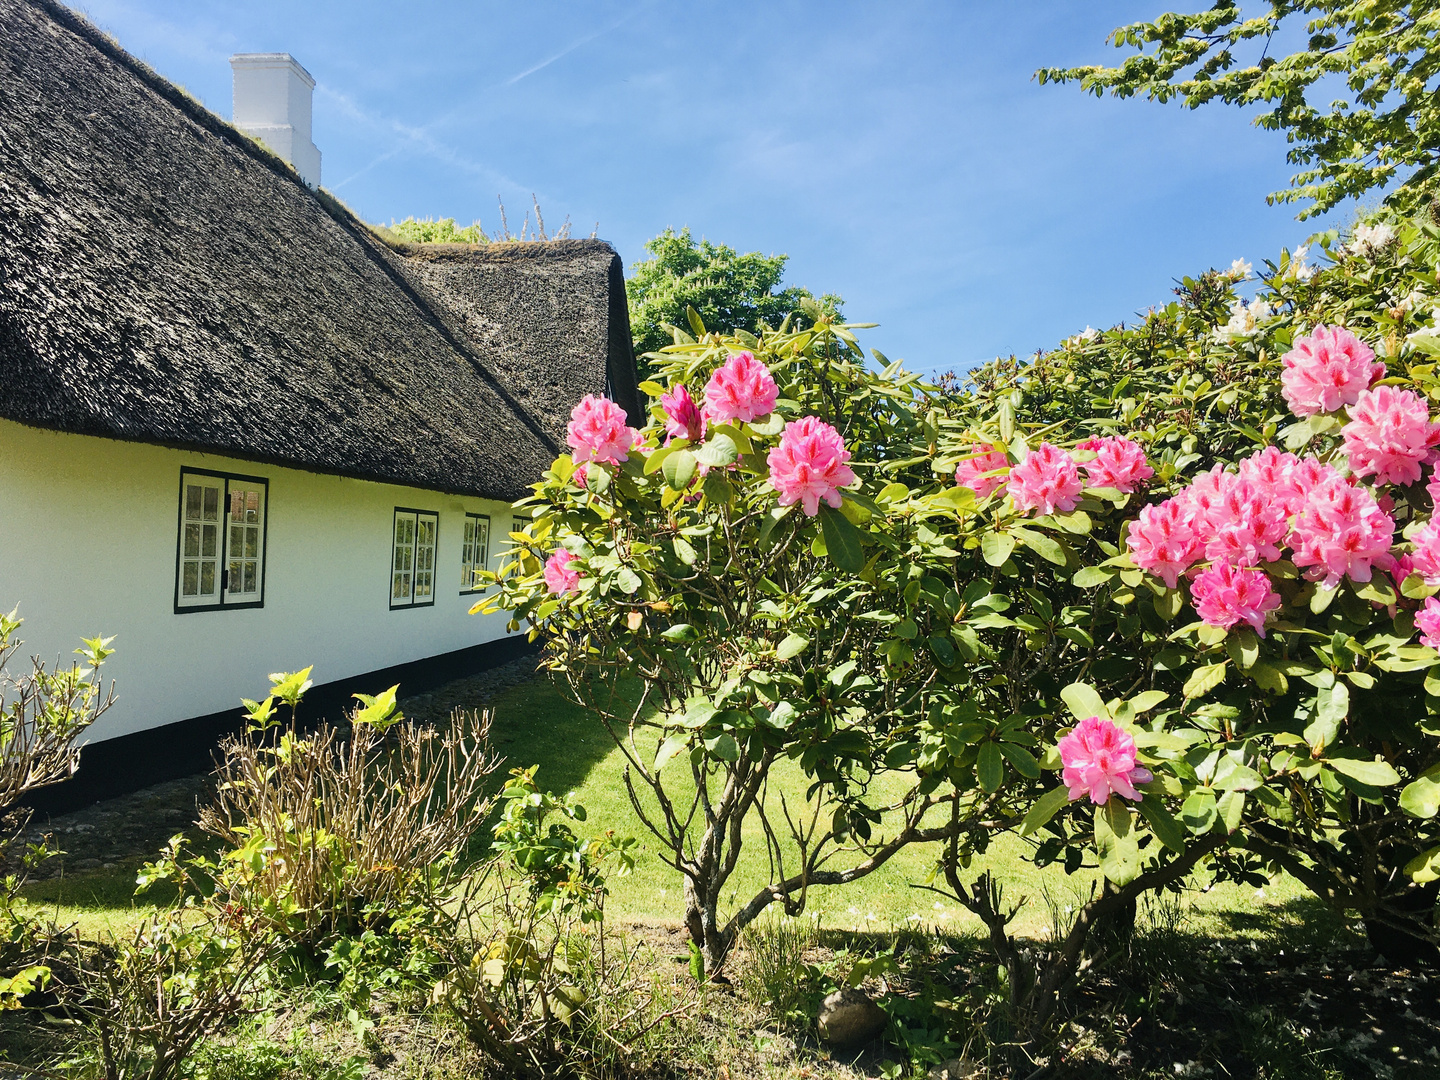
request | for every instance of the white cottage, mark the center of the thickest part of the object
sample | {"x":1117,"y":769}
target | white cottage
{"x":238,"y":431}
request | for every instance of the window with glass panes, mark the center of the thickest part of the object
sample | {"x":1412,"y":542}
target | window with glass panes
{"x":475,"y":551}
{"x":221,"y":560}
{"x":412,"y":562}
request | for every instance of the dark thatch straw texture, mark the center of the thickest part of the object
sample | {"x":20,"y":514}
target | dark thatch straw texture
{"x":166,"y":280}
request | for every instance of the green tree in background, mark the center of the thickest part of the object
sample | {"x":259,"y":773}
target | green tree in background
{"x":1378,"y":59}
{"x":730,"y":291}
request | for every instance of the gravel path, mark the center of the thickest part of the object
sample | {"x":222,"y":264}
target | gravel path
{"x":133,"y":828}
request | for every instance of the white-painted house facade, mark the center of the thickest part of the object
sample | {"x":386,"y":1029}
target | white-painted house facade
{"x":237,"y":431}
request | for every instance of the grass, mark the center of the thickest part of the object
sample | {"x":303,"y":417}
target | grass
{"x":535,"y":724}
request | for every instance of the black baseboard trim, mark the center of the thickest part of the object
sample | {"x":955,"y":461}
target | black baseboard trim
{"x":130,"y":762}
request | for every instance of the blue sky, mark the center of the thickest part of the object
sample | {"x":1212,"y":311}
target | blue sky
{"x":900,"y":153}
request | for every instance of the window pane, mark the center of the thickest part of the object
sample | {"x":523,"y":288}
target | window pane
{"x":251,"y":583}
{"x":192,"y":541}
{"x":207,"y":579}
{"x":208,"y":540}
{"x":192,"y":501}
{"x":252,"y":543}
{"x":212,"y":504}
{"x":190,"y":579}
{"x":234,"y":581}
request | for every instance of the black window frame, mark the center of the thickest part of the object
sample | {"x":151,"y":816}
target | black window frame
{"x":220,"y":604}
{"x":406,"y":605}
{"x":485,"y":562}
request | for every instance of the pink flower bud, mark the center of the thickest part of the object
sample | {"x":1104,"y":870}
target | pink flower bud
{"x":682,"y":415}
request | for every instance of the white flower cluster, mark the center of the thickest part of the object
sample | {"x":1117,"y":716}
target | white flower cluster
{"x":1239,"y":270}
{"x":1087,"y":335}
{"x":1370,"y":239}
{"x":1299,"y":269}
{"x":1244,"y":319}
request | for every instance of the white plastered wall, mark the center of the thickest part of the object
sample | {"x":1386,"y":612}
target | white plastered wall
{"x":88,"y":546}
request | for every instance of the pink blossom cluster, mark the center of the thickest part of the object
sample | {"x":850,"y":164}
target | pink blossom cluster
{"x":1426,"y":559}
{"x":810,"y":465}
{"x":1326,"y":370}
{"x":1118,"y":463}
{"x":559,"y":578}
{"x":1099,"y":760}
{"x":1389,"y":435}
{"x":1225,"y":595}
{"x":971,"y":472}
{"x":1272,"y":501}
{"x":1046,"y":480}
{"x":740,"y":389}
{"x":1427,"y":620}
{"x":598,"y":431}
{"x":682,"y":415}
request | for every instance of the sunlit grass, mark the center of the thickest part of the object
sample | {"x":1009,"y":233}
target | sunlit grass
{"x":535,"y":725}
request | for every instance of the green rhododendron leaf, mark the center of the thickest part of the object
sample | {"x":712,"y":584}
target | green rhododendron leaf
{"x":724,"y":747}
{"x":628,"y":580}
{"x":1047,"y":547}
{"x":1021,"y":760}
{"x":1424,"y":868}
{"x":679,"y":469}
{"x":1268,"y":677}
{"x":996,"y":547}
{"x":1421,"y":798}
{"x":1116,"y":842}
{"x":1198,"y":814}
{"x":1415,"y":588}
{"x":792,"y":646}
{"x":1168,"y":603}
{"x":1044,"y":808}
{"x":990,"y":766}
{"x":1205,"y":679}
{"x":1333,"y":706}
{"x":718,"y":451}
{"x":1231,"y":809}
{"x":1088,"y":577}
{"x":1166,"y":829}
{"x":1375,"y":773}
{"x":842,"y":540}
{"x":1084,"y":701}
{"x":683,"y":551}
{"x":668,"y":749}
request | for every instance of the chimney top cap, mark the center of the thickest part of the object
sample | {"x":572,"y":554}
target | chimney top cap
{"x":271,"y":60}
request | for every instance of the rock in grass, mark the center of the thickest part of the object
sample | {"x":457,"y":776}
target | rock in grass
{"x":848,"y":1018}
{"x":954,"y":1069}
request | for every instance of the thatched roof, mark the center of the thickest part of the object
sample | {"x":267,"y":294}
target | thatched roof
{"x":165,"y":279}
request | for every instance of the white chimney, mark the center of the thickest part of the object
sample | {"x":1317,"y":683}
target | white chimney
{"x":272,"y":104}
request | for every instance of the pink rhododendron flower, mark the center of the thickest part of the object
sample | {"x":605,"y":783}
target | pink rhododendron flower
{"x":1341,"y":532}
{"x":1203,"y":495}
{"x":598,"y":431}
{"x":1225,"y":595}
{"x":809,"y":465}
{"x":1273,"y":471}
{"x":740,"y":389}
{"x":1163,"y":540}
{"x":1046,"y":480}
{"x":1119,"y":464}
{"x":581,"y":476}
{"x":1389,"y":435}
{"x":1326,"y":370}
{"x":1099,"y":760}
{"x":682,"y":415}
{"x":1427,"y":621}
{"x":970,"y":472}
{"x":1426,"y":560}
{"x":1403,"y":568}
{"x":559,"y":578}
{"x":1246,"y":525}
{"x":1433,"y":487}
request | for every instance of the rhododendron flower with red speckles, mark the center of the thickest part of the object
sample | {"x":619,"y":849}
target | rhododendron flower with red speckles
{"x":1389,"y":435}
{"x":809,"y":465}
{"x":1119,"y":464}
{"x":598,"y":431}
{"x":1426,"y":560}
{"x":1274,"y":471}
{"x":971,"y":472}
{"x":682,"y":415}
{"x":1225,"y":595}
{"x":559,"y":578}
{"x":1046,"y":480}
{"x":1427,"y":621}
{"x":740,"y":389}
{"x":1163,"y":540}
{"x":1244,"y":525}
{"x":1341,"y":532}
{"x":1099,"y":760}
{"x":1326,"y":370}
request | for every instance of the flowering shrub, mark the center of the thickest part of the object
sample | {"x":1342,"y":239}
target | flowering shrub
{"x":1152,"y":552}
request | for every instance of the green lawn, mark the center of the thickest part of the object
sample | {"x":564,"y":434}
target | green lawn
{"x":535,"y":725}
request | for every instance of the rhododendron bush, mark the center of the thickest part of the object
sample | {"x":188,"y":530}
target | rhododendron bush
{"x":1152,"y":601}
